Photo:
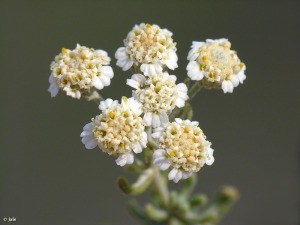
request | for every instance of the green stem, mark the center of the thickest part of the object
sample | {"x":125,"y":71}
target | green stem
{"x":194,"y":90}
{"x":216,"y":209}
{"x":161,"y":186}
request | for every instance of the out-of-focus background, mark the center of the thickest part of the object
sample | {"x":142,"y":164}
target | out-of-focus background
{"x":47,"y":176}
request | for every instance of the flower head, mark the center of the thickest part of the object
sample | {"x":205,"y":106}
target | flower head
{"x":184,"y":147}
{"x":158,"y":95}
{"x":119,"y":130}
{"x":149,"y":49}
{"x":215,"y":65}
{"x":80,"y":71}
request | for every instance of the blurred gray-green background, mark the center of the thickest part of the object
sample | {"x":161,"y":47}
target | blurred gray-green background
{"x":46,"y":175}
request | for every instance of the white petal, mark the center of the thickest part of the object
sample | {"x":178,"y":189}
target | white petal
{"x":164,"y":119}
{"x":121,"y":53}
{"x":88,"y":137}
{"x":144,"y":140}
{"x":157,"y":133}
{"x":135,"y":106}
{"x":155,"y":121}
{"x":124,"y":159}
{"x":158,"y":153}
{"x":194,"y":71}
{"x":97,"y":83}
{"x":230,"y":87}
{"x":234,"y":80}
{"x":192,"y":55}
{"x":53,"y":88}
{"x":102,"y":52}
{"x":51,"y":79}
{"x":186,"y":174}
{"x":136,"y":81}
{"x":127,"y":65}
{"x":162,"y":163}
{"x":221,"y":40}
{"x":241,"y":75}
{"x":210,"y":159}
{"x":179,"y":102}
{"x":107,"y":71}
{"x":85,"y":133}
{"x":175,"y":175}
{"x":148,"y":119}
{"x":227,"y":86}
{"x":172,"y":174}
{"x":178,"y":176}
{"x":107,"y":104}
{"x":133,"y":83}
{"x":105,"y":80}
{"x":91,"y":144}
{"x":181,"y":87}
{"x":182,"y":95}
{"x":151,"y":69}
{"x":197,"y":44}
{"x":77,"y":94}
{"x":88,"y":127}
{"x":178,"y":120}
{"x":159,"y":159}
{"x":123,"y":60}
{"x":172,"y":61}
{"x":137,"y":148}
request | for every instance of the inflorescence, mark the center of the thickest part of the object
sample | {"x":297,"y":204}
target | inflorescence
{"x":144,"y":121}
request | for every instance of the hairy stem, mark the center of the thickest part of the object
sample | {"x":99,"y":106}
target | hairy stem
{"x":194,"y":90}
{"x":161,"y":186}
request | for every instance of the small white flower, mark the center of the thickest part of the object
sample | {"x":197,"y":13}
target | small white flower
{"x":119,"y":130}
{"x":183,"y":146}
{"x":215,"y":65}
{"x":80,"y":71}
{"x":158,"y":95}
{"x":148,"y":49}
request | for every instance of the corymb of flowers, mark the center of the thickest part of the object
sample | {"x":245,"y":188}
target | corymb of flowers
{"x":148,"y":49}
{"x":153,"y":128}
{"x":80,"y":72}
{"x":215,"y":65}
{"x":119,"y":130}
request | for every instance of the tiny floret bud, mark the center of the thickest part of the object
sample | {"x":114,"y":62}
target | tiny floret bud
{"x":80,"y":72}
{"x":118,"y":130}
{"x":183,"y":146}
{"x":215,"y":65}
{"x":158,"y":95}
{"x":148,"y":49}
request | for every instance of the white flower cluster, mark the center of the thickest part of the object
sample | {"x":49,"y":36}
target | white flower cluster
{"x":215,"y":65}
{"x":158,"y":95}
{"x":119,"y":130}
{"x":127,"y":127}
{"x":79,"y":71}
{"x":148,"y":49}
{"x":183,"y":146}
